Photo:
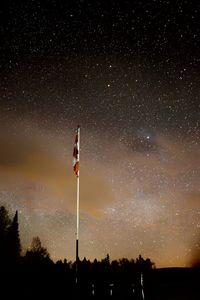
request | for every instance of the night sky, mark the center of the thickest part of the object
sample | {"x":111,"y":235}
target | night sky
{"x":129,"y":73}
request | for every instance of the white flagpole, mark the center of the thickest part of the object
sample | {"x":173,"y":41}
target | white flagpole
{"x":78,"y":199}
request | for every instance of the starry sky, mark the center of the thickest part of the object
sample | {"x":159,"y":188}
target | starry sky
{"x":129,"y":73}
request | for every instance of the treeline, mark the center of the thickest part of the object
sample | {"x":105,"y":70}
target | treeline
{"x":10,"y":247}
{"x":35,"y":274}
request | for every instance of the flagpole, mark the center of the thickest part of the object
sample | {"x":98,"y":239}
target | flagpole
{"x":78,"y":204}
{"x":77,"y":217}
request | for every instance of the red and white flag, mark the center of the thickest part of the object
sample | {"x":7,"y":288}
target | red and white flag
{"x":76,"y":164}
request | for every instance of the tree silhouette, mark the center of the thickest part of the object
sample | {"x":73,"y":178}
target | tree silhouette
{"x":144,"y":264}
{"x":36,"y":247}
{"x":37,"y":254}
{"x":13,"y":240}
{"x":4,"y":219}
{"x":4,"y":225}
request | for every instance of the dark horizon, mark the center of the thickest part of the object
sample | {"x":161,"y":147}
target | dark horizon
{"x":36,"y":275}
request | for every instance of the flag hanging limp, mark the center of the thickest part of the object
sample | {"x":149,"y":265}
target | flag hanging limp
{"x":76,"y":164}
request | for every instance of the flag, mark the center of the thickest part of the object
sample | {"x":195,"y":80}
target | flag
{"x":76,"y":164}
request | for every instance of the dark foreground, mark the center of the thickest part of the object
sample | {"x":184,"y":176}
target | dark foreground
{"x":158,"y":284}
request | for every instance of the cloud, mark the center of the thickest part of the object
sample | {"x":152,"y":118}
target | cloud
{"x":36,"y":168}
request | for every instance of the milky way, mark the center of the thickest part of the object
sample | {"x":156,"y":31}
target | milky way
{"x":129,"y":75}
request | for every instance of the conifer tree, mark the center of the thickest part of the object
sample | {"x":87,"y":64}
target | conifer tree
{"x":14,"y":246}
{"x":5,"y":222}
